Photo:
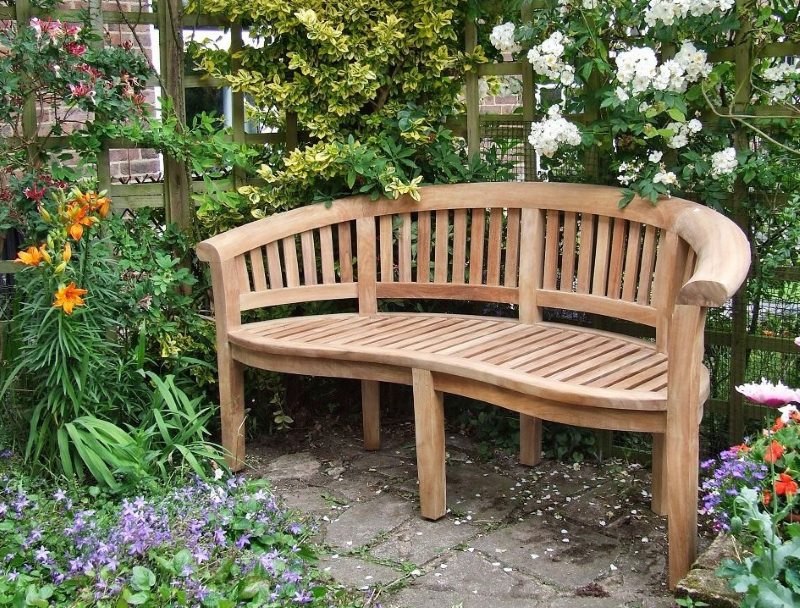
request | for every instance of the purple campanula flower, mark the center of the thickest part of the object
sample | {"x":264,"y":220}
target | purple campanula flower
{"x":42,"y":555}
{"x":219,"y":537}
{"x":243,"y":541}
{"x":59,"y":495}
{"x":302,"y":597}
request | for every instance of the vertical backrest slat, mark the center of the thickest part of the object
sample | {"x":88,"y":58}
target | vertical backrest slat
{"x":365,"y":252}
{"x":585,"y":253}
{"x":404,"y":248}
{"x":648,"y":266}
{"x":616,"y":259}
{"x":309,"y":257}
{"x":274,"y":265}
{"x":387,"y":249}
{"x":424,"y":247}
{"x":495,"y":247}
{"x":552,"y":237}
{"x":459,"y":245}
{"x":242,"y":278}
{"x":257,"y":264}
{"x":601,"y":251}
{"x":290,"y":261}
{"x":326,"y":255}
{"x":345,"y":252}
{"x":511,"y":266}
{"x":531,"y":253}
{"x":568,"y":251}
{"x":671,"y":258}
{"x":442,"y":245}
{"x":476,"y":246}
{"x":630,"y":272}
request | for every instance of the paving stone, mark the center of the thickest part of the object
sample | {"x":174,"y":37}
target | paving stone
{"x":568,"y":565}
{"x":471,"y":581}
{"x":358,"y":573}
{"x":308,"y":499}
{"x":474,"y":490}
{"x":357,"y":487}
{"x":378,"y":462}
{"x":418,"y":541}
{"x":365,"y":521}
{"x":300,"y":465}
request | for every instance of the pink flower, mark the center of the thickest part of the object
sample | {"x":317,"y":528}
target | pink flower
{"x":75,"y":48}
{"x":81,"y":90}
{"x":71,"y":31}
{"x":797,"y":341}
{"x":769,"y":394}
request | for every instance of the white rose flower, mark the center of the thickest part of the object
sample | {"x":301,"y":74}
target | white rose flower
{"x":723,"y":162}
{"x":655,"y":157}
{"x":502,"y":38}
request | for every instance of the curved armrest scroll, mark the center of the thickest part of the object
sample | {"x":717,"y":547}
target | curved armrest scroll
{"x":723,"y":256}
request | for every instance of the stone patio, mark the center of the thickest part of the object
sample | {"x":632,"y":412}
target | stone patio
{"x":552,"y":536}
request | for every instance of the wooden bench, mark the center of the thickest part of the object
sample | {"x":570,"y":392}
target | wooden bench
{"x":531,"y":245}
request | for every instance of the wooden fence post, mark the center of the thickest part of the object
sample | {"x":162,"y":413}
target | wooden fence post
{"x":472,"y":94}
{"x":103,"y":156}
{"x":531,"y":170}
{"x":743,"y":49}
{"x":179,"y":207}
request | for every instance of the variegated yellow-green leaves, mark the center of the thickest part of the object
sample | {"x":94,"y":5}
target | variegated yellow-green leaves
{"x":337,"y":64}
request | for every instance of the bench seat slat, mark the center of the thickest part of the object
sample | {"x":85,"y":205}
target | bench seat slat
{"x":610,"y":371}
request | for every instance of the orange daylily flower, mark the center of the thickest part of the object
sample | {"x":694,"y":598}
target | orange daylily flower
{"x":779,"y":424}
{"x":31,"y":257}
{"x":79,"y":217}
{"x":68,"y":297}
{"x":76,"y":231}
{"x":785,"y":485}
{"x":774,"y":452}
{"x":94,"y":202}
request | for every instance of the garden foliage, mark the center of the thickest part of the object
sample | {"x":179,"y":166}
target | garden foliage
{"x":216,"y":544}
{"x":752,"y":493}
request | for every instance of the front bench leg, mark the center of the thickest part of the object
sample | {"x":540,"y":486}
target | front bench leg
{"x":231,"y":400}
{"x":371,"y":414}
{"x":429,"y":427}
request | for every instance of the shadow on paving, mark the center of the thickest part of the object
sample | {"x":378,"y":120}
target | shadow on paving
{"x":556,"y":535}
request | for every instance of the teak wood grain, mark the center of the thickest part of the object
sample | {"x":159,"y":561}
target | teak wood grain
{"x":530,"y":245}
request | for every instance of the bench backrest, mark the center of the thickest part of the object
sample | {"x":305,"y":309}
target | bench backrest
{"x":536,"y":245}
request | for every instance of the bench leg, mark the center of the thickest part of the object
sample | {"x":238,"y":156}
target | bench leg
{"x":429,"y":426}
{"x":658,"y":485}
{"x":371,"y":414}
{"x":530,"y":440}
{"x":681,"y":443}
{"x":231,"y":399}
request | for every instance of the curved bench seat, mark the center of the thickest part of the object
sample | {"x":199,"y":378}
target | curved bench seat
{"x":568,"y":364}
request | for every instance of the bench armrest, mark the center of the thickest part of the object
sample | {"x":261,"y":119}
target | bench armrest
{"x":722,"y":256}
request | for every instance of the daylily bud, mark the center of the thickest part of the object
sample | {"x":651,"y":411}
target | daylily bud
{"x":45,"y":255}
{"x":50,"y":244}
{"x":61,"y":267}
{"x":45,"y":215}
{"x":67,"y":255}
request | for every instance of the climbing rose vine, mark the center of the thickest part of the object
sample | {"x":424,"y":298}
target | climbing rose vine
{"x":636,"y":81}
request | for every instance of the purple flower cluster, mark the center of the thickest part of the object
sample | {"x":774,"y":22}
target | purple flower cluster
{"x":190,"y":533}
{"x":726,"y":476}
